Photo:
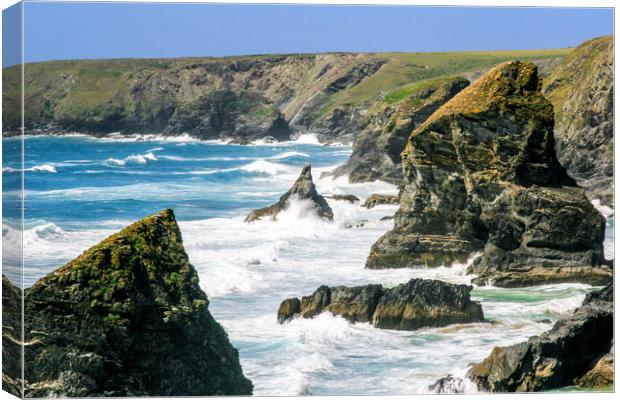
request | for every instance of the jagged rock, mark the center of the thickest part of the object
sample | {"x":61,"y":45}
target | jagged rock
{"x":581,"y":90}
{"x":556,"y":358}
{"x":380,"y":199}
{"x":128,"y":318}
{"x":344,"y":197}
{"x":481,"y":175}
{"x":452,"y":385}
{"x":11,"y":338}
{"x":423,"y":303}
{"x":601,"y":376}
{"x":413,"y":305}
{"x":302,"y":189}
{"x":385,"y":130}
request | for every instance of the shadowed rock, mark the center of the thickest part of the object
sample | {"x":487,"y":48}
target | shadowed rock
{"x":557,"y":358}
{"x":11,"y":338}
{"x":481,"y":175}
{"x":128,"y":318}
{"x":413,"y":305}
{"x":302,"y":189}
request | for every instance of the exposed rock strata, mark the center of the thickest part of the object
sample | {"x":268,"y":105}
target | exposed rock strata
{"x":128,"y":318}
{"x":413,"y":305}
{"x":581,"y":90}
{"x":11,"y":338}
{"x":560,"y":357}
{"x":302,"y":190}
{"x":387,"y":126}
{"x":481,"y":174}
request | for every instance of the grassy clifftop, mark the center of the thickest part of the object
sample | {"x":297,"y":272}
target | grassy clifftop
{"x":145,"y":95}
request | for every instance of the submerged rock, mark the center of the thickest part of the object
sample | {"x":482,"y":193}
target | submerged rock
{"x":581,"y":90}
{"x":387,"y":126}
{"x":557,"y":358}
{"x":128,"y":318}
{"x":481,"y":175}
{"x":416,"y":304}
{"x":302,"y":189}
{"x":11,"y":338}
{"x":379,"y":199}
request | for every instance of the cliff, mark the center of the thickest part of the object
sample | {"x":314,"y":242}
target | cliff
{"x":128,"y":318}
{"x":581,"y":90}
{"x":481,"y":175}
{"x":243,"y":97}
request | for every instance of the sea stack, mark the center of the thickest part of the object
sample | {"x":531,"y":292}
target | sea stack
{"x":128,"y":318}
{"x":303,"y":189}
{"x":481,"y":175}
{"x":416,"y":304}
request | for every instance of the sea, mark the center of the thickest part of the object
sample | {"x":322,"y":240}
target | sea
{"x":79,"y":189}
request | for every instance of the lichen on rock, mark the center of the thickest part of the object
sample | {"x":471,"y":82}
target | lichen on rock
{"x":128,"y":318}
{"x":481,"y":174}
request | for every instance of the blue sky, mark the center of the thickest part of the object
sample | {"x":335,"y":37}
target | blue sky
{"x":56,"y":31}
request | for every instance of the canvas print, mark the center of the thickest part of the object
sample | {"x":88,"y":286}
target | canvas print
{"x":286,"y":200}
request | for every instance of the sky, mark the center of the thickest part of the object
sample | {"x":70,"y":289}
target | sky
{"x":61,"y":31}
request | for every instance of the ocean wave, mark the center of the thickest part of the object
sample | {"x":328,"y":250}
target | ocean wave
{"x":132,"y":159}
{"x":37,"y":168}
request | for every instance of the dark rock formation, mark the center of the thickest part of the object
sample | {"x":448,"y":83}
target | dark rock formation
{"x":601,"y":376}
{"x":128,"y":318}
{"x":380,"y":199}
{"x":581,"y":90}
{"x":413,"y":305}
{"x":302,"y":189}
{"x":344,"y":197}
{"x":557,"y":358}
{"x":481,"y":175}
{"x":11,"y":338}
{"x":386,"y":128}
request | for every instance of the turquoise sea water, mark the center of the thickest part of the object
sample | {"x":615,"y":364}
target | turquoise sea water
{"x":79,"y":190}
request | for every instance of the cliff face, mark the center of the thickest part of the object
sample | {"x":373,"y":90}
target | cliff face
{"x":128,"y":318}
{"x":581,"y":90}
{"x":243,"y":97}
{"x":387,"y":126}
{"x":11,"y":338}
{"x":481,"y":174}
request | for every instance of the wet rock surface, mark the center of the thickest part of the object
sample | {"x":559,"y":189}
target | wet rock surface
{"x":128,"y":318}
{"x":380,"y":199}
{"x":302,"y":190}
{"x":563,"y":356}
{"x":416,"y":304}
{"x":481,"y":175}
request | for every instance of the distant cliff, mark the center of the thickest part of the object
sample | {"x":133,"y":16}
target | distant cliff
{"x":244,"y":97}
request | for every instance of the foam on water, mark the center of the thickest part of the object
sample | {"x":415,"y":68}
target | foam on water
{"x":37,"y":168}
{"x":248,"y":269}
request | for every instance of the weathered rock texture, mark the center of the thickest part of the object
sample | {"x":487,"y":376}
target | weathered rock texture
{"x":240,"y":97}
{"x":481,"y":174}
{"x":11,"y":338}
{"x":380,"y":199}
{"x":128,"y":318}
{"x":581,"y":90}
{"x":387,"y":126}
{"x":557,"y":358}
{"x":304,"y":190}
{"x":413,"y":305}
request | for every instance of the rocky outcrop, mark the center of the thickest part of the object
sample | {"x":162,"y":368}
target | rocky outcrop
{"x":481,"y":175}
{"x":11,"y":338}
{"x":344,"y":197}
{"x":302,"y":190}
{"x":413,"y":305}
{"x":128,"y":318}
{"x":387,"y":126}
{"x":380,"y":199}
{"x":557,"y":358}
{"x":581,"y":90}
{"x":601,"y":376}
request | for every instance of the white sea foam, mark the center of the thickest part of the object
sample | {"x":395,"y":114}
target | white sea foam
{"x":605,"y":210}
{"x":37,"y":168}
{"x":132,"y":159}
